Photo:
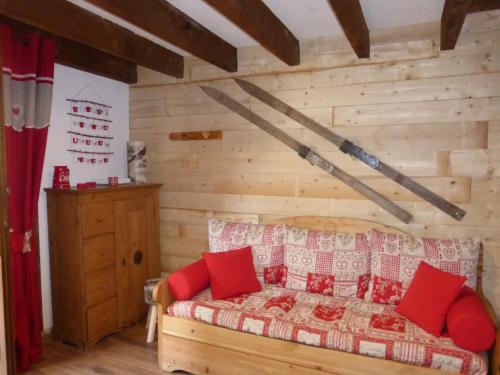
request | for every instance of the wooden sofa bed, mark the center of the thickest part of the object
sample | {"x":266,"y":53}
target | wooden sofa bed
{"x":201,"y":348}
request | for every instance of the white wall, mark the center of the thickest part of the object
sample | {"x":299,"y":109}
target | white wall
{"x":67,"y":82}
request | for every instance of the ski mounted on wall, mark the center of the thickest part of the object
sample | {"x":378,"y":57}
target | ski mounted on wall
{"x":306,"y":153}
{"x":349,"y":148}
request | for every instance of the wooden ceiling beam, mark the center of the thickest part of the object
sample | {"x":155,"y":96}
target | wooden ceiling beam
{"x":69,"y":21}
{"x":452,"y":19}
{"x":166,"y":22}
{"x":79,"y":56}
{"x":91,"y":60}
{"x":484,"y":5}
{"x":351,"y":19}
{"x":257,"y":20}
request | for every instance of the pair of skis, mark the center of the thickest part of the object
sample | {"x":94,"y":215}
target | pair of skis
{"x":343,"y":144}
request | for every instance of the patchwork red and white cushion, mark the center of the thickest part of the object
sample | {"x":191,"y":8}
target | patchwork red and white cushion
{"x":267,"y":242}
{"x":395,"y":258}
{"x":329,"y":263}
{"x":346,"y":324}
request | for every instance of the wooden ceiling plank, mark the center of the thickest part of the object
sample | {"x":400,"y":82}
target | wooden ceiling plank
{"x":257,"y":20}
{"x":351,"y":19}
{"x":452,"y":19}
{"x":163,"y":20}
{"x":69,"y":21}
{"x":81,"y":57}
{"x":484,"y":5}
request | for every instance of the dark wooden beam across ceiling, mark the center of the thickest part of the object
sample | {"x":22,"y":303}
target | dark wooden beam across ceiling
{"x":165,"y":21}
{"x":72,"y":22}
{"x":452,"y":19}
{"x":81,"y":57}
{"x":257,"y":20}
{"x":351,"y":18}
{"x":484,"y":5}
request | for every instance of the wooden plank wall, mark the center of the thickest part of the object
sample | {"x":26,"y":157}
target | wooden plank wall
{"x":433,"y":115}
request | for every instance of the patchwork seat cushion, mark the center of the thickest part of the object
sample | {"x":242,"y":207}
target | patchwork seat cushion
{"x":395,"y":258}
{"x":346,"y":324}
{"x":329,"y":263}
{"x":267,"y":242}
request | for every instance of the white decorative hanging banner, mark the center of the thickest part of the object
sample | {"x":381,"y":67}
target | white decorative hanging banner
{"x":90,"y":124}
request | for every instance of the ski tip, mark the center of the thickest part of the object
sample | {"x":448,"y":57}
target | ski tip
{"x":241,"y":82}
{"x":406,"y":218}
{"x":458,"y":214}
{"x":208,"y":90}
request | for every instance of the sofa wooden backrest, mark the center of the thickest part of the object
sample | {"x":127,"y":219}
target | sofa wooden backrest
{"x":357,"y":225}
{"x":339,"y":224}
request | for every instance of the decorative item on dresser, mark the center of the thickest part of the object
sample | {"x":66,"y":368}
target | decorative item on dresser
{"x":104,"y":245}
{"x":136,"y":154}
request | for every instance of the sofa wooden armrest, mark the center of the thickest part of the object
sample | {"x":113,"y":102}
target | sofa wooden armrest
{"x":162,"y":296}
{"x":495,"y":357}
{"x":163,"y":299}
{"x":495,"y":351}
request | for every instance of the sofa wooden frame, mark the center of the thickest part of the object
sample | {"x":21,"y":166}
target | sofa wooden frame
{"x":201,"y":348}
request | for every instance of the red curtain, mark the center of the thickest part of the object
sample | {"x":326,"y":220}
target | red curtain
{"x":28,"y":71}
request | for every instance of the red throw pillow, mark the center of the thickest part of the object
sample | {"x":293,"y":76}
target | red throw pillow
{"x":232,"y":273}
{"x":188,"y":281}
{"x":469,"y":324}
{"x":429,"y":297}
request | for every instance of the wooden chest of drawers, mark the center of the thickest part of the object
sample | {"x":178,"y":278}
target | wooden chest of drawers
{"x":104,"y":244}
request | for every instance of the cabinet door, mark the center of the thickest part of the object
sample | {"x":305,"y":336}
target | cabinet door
{"x":136,"y":235}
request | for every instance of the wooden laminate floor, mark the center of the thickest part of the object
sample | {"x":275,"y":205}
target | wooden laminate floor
{"x":123,"y":353}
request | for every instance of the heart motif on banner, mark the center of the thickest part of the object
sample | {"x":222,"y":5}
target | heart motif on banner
{"x":261,"y":258}
{"x":17,"y":111}
{"x":357,"y":264}
{"x":342,"y":264}
{"x":390,"y":247}
{"x":324,"y":244}
{"x":447,"y":243}
{"x":292,"y":258}
{"x":391,"y":237}
{"x":306,"y":261}
{"x":449,"y":253}
{"x":409,"y":271}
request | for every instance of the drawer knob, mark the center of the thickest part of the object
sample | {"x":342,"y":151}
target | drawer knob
{"x":138,"y":255}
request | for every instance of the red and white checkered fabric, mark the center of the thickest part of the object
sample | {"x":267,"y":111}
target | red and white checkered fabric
{"x":346,"y":324}
{"x":395,"y":258}
{"x":329,"y":263}
{"x":267,"y":242}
